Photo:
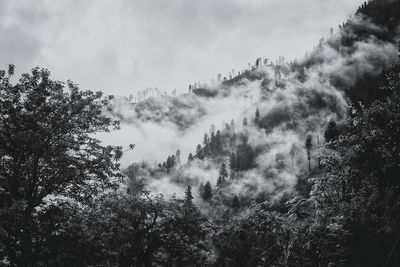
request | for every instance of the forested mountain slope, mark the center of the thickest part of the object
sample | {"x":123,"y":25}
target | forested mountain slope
{"x":298,"y":167}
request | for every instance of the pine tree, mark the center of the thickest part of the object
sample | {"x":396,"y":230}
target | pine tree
{"x":190,"y":157}
{"x":178,"y":156}
{"x":308,"y":145}
{"x":206,"y":142}
{"x":218,"y":141}
{"x":11,"y":68}
{"x":244,"y":122}
{"x":212,"y":142}
{"x":198,"y":149}
{"x":212,"y":128}
{"x":257,"y":119}
{"x":207,"y":191}
{"x":188,"y":200}
{"x":232,"y":162}
{"x":235,"y":203}
{"x":223,"y":174}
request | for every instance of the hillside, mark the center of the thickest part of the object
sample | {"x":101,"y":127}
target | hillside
{"x":285,"y":163}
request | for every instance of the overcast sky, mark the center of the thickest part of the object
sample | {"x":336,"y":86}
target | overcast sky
{"x":123,"y":46}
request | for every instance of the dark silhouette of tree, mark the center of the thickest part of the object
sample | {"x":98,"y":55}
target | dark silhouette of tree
{"x":188,"y":200}
{"x":212,"y":143}
{"x":47,"y":148}
{"x":235,"y":203}
{"x":223,"y":175}
{"x":171,"y":162}
{"x":257,"y":119}
{"x":331,"y":131}
{"x":207,"y":191}
{"x":206,"y":142}
{"x":190,"y":157}
{"x":233,"y":161}
{"x":218,"y":139}
{"x":11,"y":69}
{"x":244,"y":122}
{"x":308,"y":146}
{"x":178,"y":156}
{"x":198,"y":149}
{"x":292,"y":153}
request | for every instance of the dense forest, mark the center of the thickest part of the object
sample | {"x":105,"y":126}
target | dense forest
{"x":309,"y":175}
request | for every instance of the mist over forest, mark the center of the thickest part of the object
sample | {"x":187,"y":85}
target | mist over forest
{"x":284,"y":162}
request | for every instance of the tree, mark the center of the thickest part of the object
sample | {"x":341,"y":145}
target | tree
{"x":235,"y":203}
{"x":198,"y":149}
{"x":11,"y":68}
{"x":212,"y":129}
{"x":190,"y":157}
{"x":308,"y":146}
{"x":257,"y":237}
{"x":212,"y":143}
{"x":223,"y":174}
{"x":171,"y":162}
{"x":188,"y":200}
{"x":244,"y":122}
{"x":218,"y":138}
{"x":207,"y":191}
{"x":331,"y":132}
{"x":178,"y":156}
{"x":233,"y":162}
{"x":47,"y":148}
{"x":257,"y":119}
{"x":206,"y":140}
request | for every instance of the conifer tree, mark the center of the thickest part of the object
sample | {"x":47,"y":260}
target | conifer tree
{"x":178,"y":156}
{"x":257,"y":119}
{"x":188,"y":200}
{"x":218,"y":141}
{"x":232,"y":161}
{"x":190,"y":157}
{"x":223,"y":174}
{"x":308,"y":145}
{"x":244,"y":122}
{"x":198,"y":149}
{"x":207,"y":191}
{"x":235,"y":203}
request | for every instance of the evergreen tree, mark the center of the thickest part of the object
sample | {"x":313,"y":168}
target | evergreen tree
{"x":198,"y":149}
{"x":188,"y":200}
{"x":212,"y":128}
{"x":178,"y":156}
{"x":308,"y":145}
{"x":218,"y":145}
{"x":244,"y":122}
{"x":171,"y":162}
{"x":331,"y":132}
{"x":212,"y":142}
{"x":257,"y":119}
{"x":232,"y":161}
{"x":223,"y":174}
{"x":11,"y":68}
{"x":207,"y":191}
{"x":235,"y":203}
{"x":206,"y":142}
{"x":190,"y":157}
{"x":227,"y":128}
